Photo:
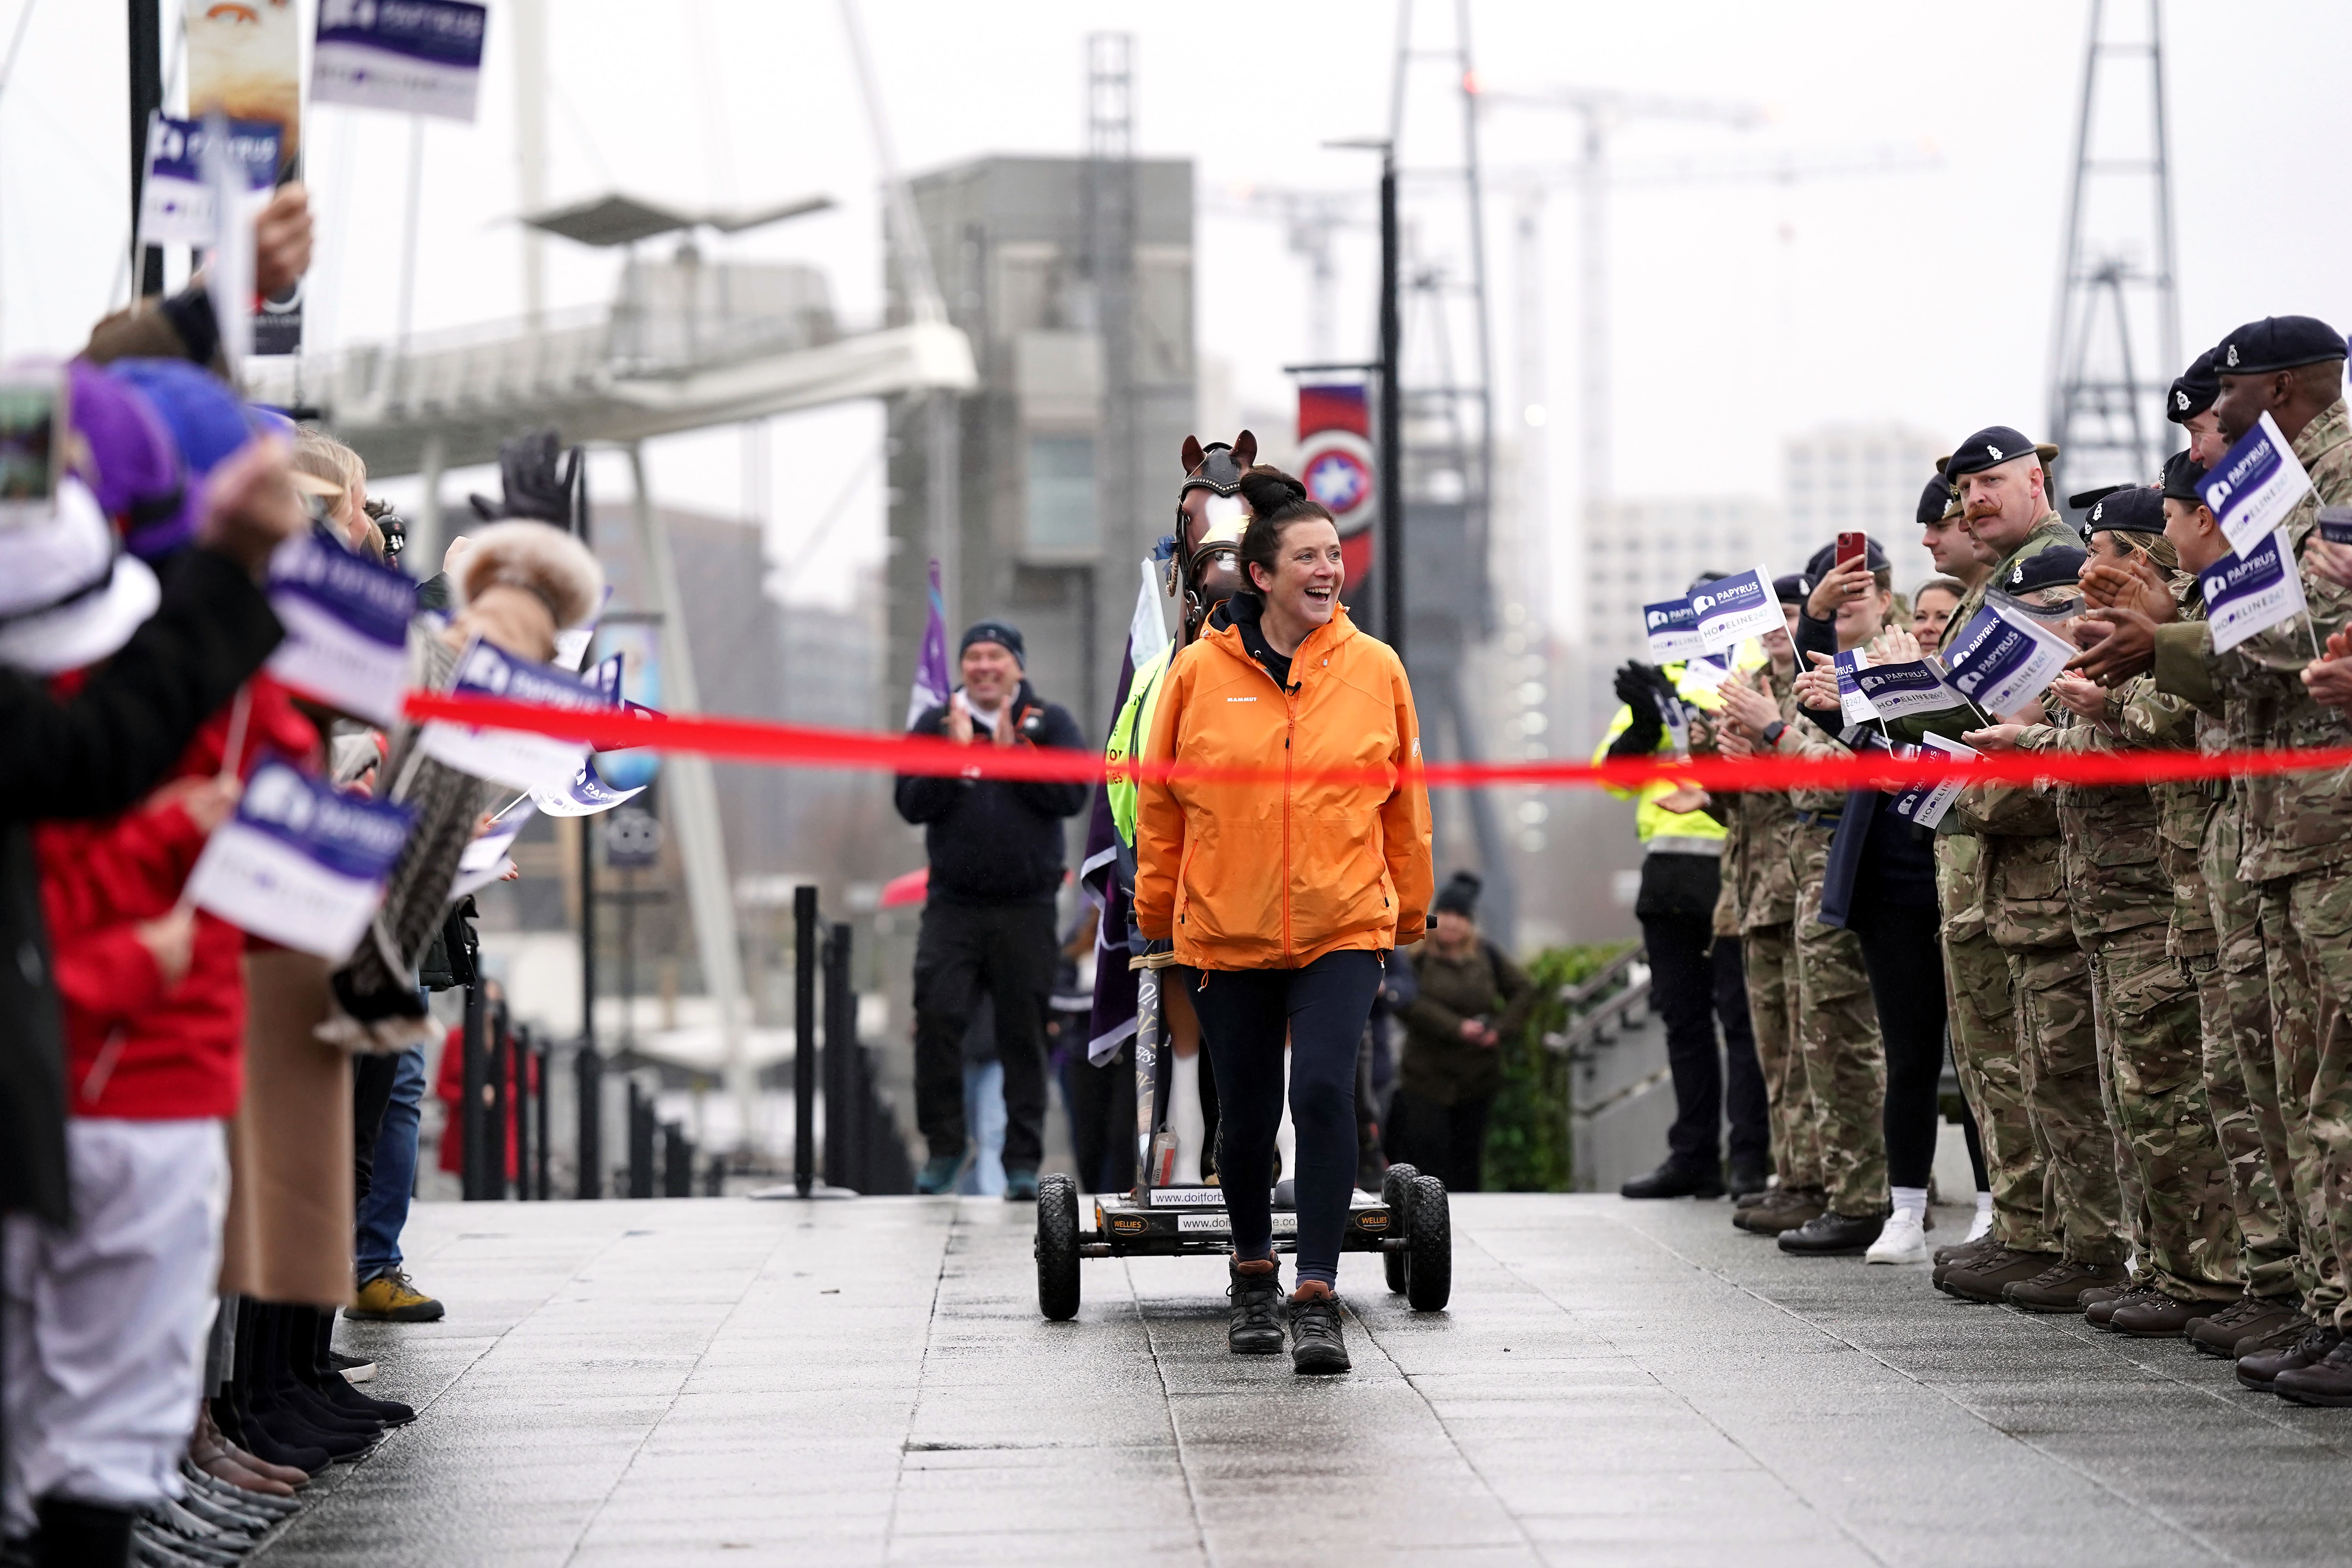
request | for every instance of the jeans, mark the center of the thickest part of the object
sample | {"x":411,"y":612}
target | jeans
{"x":1243,"y":1012}
{"x":391,"y":1178}
{"x":1695,"y":980}
{"x":983,"y":1113}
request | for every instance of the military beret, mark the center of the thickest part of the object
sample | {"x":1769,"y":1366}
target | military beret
{"x":1988,"y":448}
{"x":1793,"y":588}
{"x":1824,"y":560}
{"x":2195,"y":389}
{"x":2181,"y":473}
{"x":2127,"y":509}
{"x":2277,"y":342}
{"x":1935,"y":500}
{"x":2060,"y":566}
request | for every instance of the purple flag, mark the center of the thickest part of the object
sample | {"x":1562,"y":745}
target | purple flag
{"x":931,"y":688}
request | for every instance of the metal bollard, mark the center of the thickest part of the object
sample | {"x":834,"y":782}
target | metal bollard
{"x":841,"y":1132}
{"x":540,"y":1063}
{"x":641,"y":1143}
{"x":588,"y":1090}
{"x":495,"y":1105}
{"x":677,"y":1163}
{"x":470,"y":1118}
{"x":805,"y":966}
{"x":714,"y":1178}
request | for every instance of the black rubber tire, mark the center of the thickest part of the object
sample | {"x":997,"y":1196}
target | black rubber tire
{"x":1057,"y":1247}
{"x":1429,"y":1257}
{"x":1396,"y":1192}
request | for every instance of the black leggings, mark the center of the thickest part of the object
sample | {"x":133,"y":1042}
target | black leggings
{"x":1907,"y":983}
{"x":1243,"y":1012}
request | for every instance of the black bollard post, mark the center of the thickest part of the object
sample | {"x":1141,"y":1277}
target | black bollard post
{"x":804,"y":964}
{"x":588,"y":1086}
{"x":677,"y":1163}
{"x":469,"y":1118}
{"x":497,"y":1106}
{"x":841,"y":1128}
{"x":641,"y":1143}
{"x":714,"y":1177}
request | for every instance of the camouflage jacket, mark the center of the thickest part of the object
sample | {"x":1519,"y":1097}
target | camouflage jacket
{"x":2148,"y":717}
{"x":2111,"y":847}
{"x":1759,"y":884}
{"x":2051,"y":529}
{"x":2294,"y":823}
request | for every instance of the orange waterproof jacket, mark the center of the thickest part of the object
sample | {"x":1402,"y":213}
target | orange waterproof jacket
{"x":1249,"y":875}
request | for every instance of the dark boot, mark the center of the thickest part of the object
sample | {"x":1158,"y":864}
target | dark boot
{"x":1672,"y":1180}
{"x":1255,"y":1291}
{"x":2059,"y":1287}
{"x":313,"y":1334}
{"x":2248,"y":1318}
{"x":1987,"y":1277}
{"x":2159,"y":1317}
{"x":2263,"y":1367}
{"x":1316,"y":1345}
{"x":2099,"y":1302}
{"x":1962,"y":1252}
{"x":2324,"y":1382}
{"x":281,"y":1404}
{"x":234,"y":1411}
{"x":81,"y":1534}
{"x":1831,"y":1234}
{"x":1748,"y":1177}
{"x":1786,"y":1210}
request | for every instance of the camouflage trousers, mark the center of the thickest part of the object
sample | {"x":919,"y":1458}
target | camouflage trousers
{"x":2175,"y":1182}
{"x":2058,"y":1045}
{"x":2308,"y":924}
{"x":1845,"y":1058}
{"x":1985,"y":1059}
{"x":2241,"y":1071}
{"x":1770,"y":954}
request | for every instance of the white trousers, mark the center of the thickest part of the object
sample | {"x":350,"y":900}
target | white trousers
{"x":104,"y":1324}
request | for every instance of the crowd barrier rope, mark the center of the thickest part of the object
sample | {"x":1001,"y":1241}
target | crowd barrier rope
{"x":811,"y":746}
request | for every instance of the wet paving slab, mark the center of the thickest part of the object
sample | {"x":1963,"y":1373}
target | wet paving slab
{"x":869,"y":1382}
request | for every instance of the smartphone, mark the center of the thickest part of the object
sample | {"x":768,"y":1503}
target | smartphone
{"x":1852,"y":547}
{"x":31,"y":441}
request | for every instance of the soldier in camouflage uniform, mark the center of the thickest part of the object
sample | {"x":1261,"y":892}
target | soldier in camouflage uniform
{"x":1761,"y":907}
{"x":2003,"y":484}
{"x":2174,"y":1182}
{"x":2296,"y":828}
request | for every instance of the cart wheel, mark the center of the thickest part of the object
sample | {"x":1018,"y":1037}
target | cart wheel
{"x":1057,"y":1247}
{"x":1429,"y":1255}
{"x":1396,"y":1192}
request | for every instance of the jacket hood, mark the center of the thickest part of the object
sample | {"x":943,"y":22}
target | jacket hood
{"x":1246,"y":608}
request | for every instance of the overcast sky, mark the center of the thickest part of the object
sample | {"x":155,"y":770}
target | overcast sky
{"x":1740,"y":312}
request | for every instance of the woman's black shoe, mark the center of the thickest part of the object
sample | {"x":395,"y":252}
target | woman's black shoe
{"x":1830,"y":1233}
{"x":1256,"y":1327}
{"x":1674,"y":1181}
{"x":1316,"y":1345}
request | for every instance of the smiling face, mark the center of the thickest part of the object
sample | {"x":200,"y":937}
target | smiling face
{"x":1931,"y":612}
{"x":990,"y":674}
{"x":2194,"y":533}
{"x":1304,"y":587}
{"x":1859,"y":620}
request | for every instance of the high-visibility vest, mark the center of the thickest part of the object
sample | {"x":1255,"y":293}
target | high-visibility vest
{"x":1126,"y":734}
{"x":1660,"y":830}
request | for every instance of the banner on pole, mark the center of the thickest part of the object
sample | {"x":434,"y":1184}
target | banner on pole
{"x":1857,"y":708}
{"x":518,"y":761}
{"x":412,"y":56}
{"x":1337,"y":465}
{"x":1925,"y":800}
{"x":932,"y":682}
{"x":2001,"y":662}
{"x":300,"y":864}
{"x":175,"y":200}
{"x":1735,"y":608}
{"x":1672,"y":626}
{"x":346,"y":620}
{"x":1899,"y":691}
{"x":2256,"y":485}
{"x":2246,"y":594}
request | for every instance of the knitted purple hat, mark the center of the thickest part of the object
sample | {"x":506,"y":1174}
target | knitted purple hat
{"x":134,"y":468}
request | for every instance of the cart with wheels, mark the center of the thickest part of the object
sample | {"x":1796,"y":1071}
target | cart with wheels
{"x":1408,"y":1223}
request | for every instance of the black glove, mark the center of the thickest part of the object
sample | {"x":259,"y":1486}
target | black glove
{"x":538,"y":475}
{"x":1632,"y":684}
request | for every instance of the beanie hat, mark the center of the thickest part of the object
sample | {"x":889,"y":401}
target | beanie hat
{"x":1459,"y":895}
{"x":1004,"y":634}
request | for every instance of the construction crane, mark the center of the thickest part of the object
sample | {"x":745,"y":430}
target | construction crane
{"x":1311,"y":222}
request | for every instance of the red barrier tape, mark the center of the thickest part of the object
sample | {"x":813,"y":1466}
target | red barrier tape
{"x":808,"y":745}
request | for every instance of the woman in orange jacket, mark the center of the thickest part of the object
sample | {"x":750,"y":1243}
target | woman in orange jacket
{"x":1280,"y":875}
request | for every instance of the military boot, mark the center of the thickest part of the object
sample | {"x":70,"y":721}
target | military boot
{"x":2324,"y":1382}
{"x":2099,"y":1303}
{"x":1984,"y":1277}
{"x":2315,"y":1344}
{"x":1960,"y":1252}
{"x":1791,"y":1208}
{"x":2248,"y":1318}
{"x":2161,"y":1317}
{"x":2059,"y":1287}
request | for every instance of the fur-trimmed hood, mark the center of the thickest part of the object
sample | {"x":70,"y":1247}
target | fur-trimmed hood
{"x":539,"y":559}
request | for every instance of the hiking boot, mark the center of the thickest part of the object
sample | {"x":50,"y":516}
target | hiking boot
{"x":1764,"y":1195}
{"x":1786,"y":1209}
{"x":1674,"y":1181}
{"x":1747,"y":1176}
{"x":1255,"y":1292}
{"x":391,"y":1299}
{"x":2100,"y":1302}
{"x":1963,"y":1252}
{"x":1020,"y":1185}
{"x":1316,"y":1345}
{"x":2059,"y":1287}
{"x":2160,"y":1317}
{"x":2324,"y":1382}
{"x":2315,"y":1344}
{"x":1831,"y":1234}
{"x":2247,"y":1318}
{"x":1985,"y":1278}
{"x":939,"y":1174}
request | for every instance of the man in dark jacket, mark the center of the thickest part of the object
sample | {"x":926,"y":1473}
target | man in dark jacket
{"x":996,"y":853}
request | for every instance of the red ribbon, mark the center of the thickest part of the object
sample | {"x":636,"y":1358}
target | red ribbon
{"x":813,"y":746}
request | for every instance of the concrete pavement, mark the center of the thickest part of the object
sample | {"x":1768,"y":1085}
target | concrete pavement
{"x":868,"y":1381}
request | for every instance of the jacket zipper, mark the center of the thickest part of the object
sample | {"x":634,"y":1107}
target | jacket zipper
{"x":1290,"y":706}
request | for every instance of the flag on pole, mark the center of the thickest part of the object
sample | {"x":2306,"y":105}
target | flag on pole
{"x":1113,"y":1018}
{"x":932,"y":681}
